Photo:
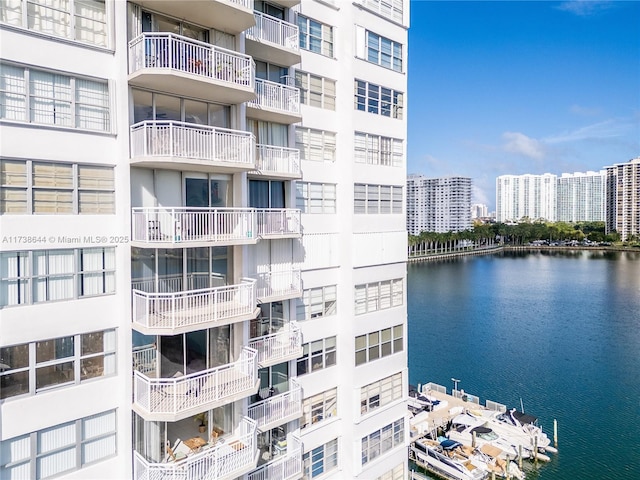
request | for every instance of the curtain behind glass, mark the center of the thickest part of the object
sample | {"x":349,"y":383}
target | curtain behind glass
{"x":258,"y":194}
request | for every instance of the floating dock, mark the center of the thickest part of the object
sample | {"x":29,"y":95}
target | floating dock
{"x":432,"y":409}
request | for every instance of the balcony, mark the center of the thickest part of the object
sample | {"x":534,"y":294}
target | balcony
{"x":277,"y":162}
{"x":189,"y":68}
{"x":187,"y":146}
{"x":275,"y":102}
{"x":278,"y":347}
{"x":171,"y":227}
{"x":273,"y":40}
{"x":277,"y":286}
{"x":276,"y":223}
{"x":287,"y":466}
{"x":170,"y":313}
{"x":278,"y":409}
{"x":172,"y":399}
{"x":221,"y":461}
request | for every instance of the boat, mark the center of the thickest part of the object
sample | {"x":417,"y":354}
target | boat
{"x":488,"y":457}
{"x":470,"y":430}
{"x":440,"y":459}
{"x":521,"y":428}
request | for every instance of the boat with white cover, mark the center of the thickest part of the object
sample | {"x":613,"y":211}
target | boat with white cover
{"x":519,"y":427}
{"x":470,"y":430}
{"x":443,"y":462}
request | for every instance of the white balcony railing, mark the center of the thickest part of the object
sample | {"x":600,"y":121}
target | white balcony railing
{"x":179,"y":225}
{"x":169,"y":311}
{"x":277,"y":222}
{"x":276,"y":347}
{"x":278,"y":160}
{"x":221,"y":461}
{"x":279,"y":284}
{"x":207,"y":388}
{"x":276,"y":96}
{"x":284,"y":467}
{"x":178,"y":282}
{"x":188,"y":140}
{"x":273,"y":30}
{"x":183,"y":54}
{"x":145,"y":359}
{"x":193,"y":224}
{"x":279,"y":407}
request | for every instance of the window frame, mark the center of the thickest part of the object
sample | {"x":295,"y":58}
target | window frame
{"x":320,"y":460}
{"x":373,"y":199}
{"x":380,"y":393}
{"x":22,"y":18}
{"x":371,"y":149}
{"x":379,"y":100}
{"x":316,"y":197}
{"x":62,"y":358}
{"x":324,"y":354}
{"x":307,"y":83}
{"x":324,"y":298}
{"x":26,"y":281}
{"x":80,"y":440}
{"x":313,"y":151}
{"x":378,"y":344}
{"x":30,"y":189}
{"x":319,"y":407}
{"x":381,"y":441}
{"x":49,"y":105}
{"x":307,"y":40}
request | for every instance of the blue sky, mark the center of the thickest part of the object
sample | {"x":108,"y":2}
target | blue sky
{"x":522,"y":87}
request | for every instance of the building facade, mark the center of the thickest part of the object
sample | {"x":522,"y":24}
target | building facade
{"x":623,"y":199}
{"x":203,"y":239}
{"x":531,"y":197}
{"x":438,"y":204}
{"x":581,"y":197}
{"x":479,"y":210}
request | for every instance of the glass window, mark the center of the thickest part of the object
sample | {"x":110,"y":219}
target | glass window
{"x":376,"y":99}
{"x":320,"y":460}
{"x":378,"y":344}
{"x":315,"y":36}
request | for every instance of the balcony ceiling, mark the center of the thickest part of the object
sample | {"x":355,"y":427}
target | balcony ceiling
{"x":224,"y":15}
{"x":272,"y":52}
{"x":272,"y":115}
{"x":190,"y":164}
{"x":190,"y":85}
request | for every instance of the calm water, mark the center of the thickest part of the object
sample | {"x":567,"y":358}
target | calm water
{"x":560,"y":330}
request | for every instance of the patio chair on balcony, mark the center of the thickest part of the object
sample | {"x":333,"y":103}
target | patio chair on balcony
{"x":178,"y":452}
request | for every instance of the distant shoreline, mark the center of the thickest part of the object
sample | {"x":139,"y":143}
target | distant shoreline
{"x":516,"y":248}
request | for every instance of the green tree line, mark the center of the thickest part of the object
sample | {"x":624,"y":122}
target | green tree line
{"x":486,"y":235}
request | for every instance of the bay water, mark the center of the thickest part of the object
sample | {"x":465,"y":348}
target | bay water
{"x":558,"y":332}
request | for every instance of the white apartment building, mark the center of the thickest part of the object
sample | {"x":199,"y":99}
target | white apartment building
{"x":623,"y":199}
{"x":581,"y":197}
{"x":526,"y":196}
{"x":479,"y":210}
{"x":438,"y":204}
{"x":203,"y":240}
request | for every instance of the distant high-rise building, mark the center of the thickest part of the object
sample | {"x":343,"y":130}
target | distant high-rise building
{"x":581,"y":197}
{"x":479,"y":210}
{"x":526,"y":196}
{"x":623,"y":198}
{"x":438,"y":204}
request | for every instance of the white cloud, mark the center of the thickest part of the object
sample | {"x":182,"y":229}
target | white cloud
{"x":584,"y":8}
{"x":584,"y":111}
{"x":606,"y":129}
{"x":519,"y":143}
